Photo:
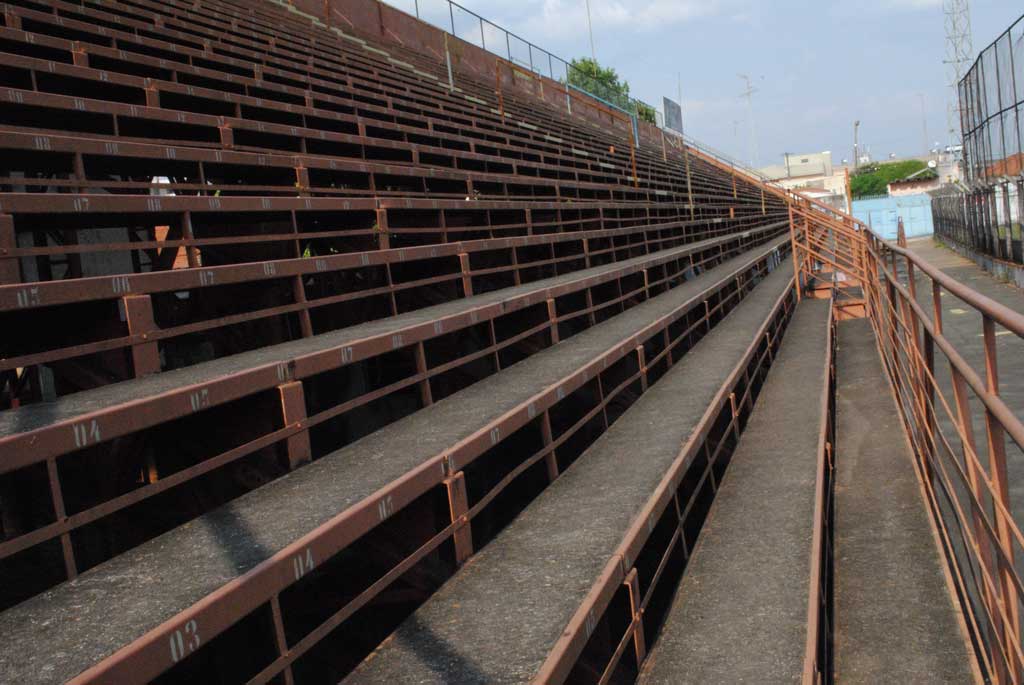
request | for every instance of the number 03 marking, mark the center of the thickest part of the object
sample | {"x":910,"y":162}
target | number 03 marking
{"x":184,"y":641}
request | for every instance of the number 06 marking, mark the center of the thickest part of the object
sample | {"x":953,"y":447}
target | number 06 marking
{"x":184,"y":641}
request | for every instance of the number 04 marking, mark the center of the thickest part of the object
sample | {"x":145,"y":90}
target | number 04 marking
{"x":303,"y":563}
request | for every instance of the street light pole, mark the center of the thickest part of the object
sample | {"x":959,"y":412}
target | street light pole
{"x":924,"y":123}
{"x":856,"y":151}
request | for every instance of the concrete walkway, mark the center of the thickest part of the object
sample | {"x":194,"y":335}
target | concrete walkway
{"x":895,"y":618}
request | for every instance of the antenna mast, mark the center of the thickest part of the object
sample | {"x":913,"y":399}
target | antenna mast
{"x":959,"y":52}
{"x":752,"y":142}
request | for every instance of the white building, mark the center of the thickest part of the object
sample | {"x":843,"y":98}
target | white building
{"x":812,"y":174}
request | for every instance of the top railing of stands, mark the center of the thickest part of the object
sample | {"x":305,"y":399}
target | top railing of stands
{"x":482,"y":32}
{"x":475,"y":29}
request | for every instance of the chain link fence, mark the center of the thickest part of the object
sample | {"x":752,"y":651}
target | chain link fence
{"x":992,"y":109}
{"x":477,"y":30}
{"x":983,"y":216}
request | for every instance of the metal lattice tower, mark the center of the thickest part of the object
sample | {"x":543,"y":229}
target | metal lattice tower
{"x":959,"y":52}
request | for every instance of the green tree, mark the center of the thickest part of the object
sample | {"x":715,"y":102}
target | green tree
{"x":874,"y":179}
{"x":587,"y":74}
{"x":645,"y":112}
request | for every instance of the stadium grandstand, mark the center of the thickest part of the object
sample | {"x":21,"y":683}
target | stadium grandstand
{"x":336,"y":348}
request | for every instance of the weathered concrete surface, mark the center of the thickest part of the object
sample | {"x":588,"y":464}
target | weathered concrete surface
{"x":895,"y":619}
{"x":740,"y":615}
{"x":497,"y":619}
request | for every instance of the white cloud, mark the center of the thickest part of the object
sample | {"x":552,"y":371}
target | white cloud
{"x":912,"y":4}
{"x":897,"y":5}
{"x":541,"y":20}
{"x":656,"y":14}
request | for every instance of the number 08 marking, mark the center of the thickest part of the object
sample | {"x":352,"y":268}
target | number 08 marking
{"x":184,"y":641}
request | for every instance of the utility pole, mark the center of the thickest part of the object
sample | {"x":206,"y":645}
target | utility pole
{"x":856,"y":150}
{"x":924,"y":124}
{"x":590,"y":28}
{"x":752,"y":143}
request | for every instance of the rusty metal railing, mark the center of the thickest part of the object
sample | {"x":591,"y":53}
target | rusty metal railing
{"x":958,"y":425}
{"x":818,"y":649}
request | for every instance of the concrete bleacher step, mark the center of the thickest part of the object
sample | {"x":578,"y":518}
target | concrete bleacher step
{"x":31,"y":434}
{"x":71,"y":407}
{"x":740,"y":613}
{"x":500,"y":617}
{"x":121,"y":601}
{"x":896,"y":619}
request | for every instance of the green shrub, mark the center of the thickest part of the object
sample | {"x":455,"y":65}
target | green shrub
{"x":874,"y":179}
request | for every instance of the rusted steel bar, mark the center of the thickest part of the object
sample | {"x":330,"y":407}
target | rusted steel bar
{"x":998,"y":313}
{"x":997,"y":473}
{"x":992,"y":402}
{"x":796,"y":256}
{"x":985,"y":534}
{"x":969,"y":542}
{"x":293,"y":411}
{"x":814,"y":670}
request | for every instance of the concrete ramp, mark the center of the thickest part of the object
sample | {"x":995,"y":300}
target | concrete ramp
{"x":895,"y":618}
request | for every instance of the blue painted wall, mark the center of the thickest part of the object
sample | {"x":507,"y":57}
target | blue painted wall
{"x":881,"y":214}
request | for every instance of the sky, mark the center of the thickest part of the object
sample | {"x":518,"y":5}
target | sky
{"x":817,"y":67}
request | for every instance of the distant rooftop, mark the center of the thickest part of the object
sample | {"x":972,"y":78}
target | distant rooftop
{"x":798,"y":165}
{"x":926,"y":174}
